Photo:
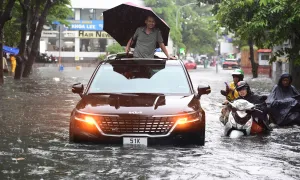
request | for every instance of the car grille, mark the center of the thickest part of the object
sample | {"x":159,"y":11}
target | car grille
{"x":136,"y":125}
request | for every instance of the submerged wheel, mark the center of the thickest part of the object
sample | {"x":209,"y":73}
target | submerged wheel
{"x":73,"y":137}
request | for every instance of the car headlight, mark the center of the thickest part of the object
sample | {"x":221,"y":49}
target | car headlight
{"x":85,"y":118}
{"x":189,"y":118}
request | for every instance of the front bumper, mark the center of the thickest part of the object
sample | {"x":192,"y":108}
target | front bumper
{"x":92,"y":132}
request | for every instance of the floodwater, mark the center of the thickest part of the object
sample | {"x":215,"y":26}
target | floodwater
{"x":34,"y":123}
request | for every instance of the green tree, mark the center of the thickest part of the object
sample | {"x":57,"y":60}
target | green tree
{"x":37,"y":13}
{"x":237,"y":16}
{"x":281,"y":21}
{"x":115,"y":48}
{"x":5,"y":15}
{"x":197,"y":28}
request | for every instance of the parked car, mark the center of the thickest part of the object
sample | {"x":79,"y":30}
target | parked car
{"x":189,"y":64}
{"x":139,"y":102}
{"x":231,"y":64}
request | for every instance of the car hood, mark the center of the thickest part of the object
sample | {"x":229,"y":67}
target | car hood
{"x":145,"y":105}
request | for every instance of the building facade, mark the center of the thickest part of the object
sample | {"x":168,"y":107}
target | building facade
{"x":84,"y":39}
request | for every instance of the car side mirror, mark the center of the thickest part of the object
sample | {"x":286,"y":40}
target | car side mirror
{"x":78,"y":89}
{"x":203,"y":90}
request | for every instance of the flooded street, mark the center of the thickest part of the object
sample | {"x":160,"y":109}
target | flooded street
{"x":34,"y":144}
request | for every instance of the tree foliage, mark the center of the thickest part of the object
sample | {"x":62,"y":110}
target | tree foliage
{"x":237,"y":16}
{"x":281,"y":21}
{"x":12,"y":29}
{"x":194,"y":31}
{"x":115,"y":48}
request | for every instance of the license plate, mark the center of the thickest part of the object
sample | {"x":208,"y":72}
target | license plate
{"x":229,"y":67}
{"x":135,"y":141}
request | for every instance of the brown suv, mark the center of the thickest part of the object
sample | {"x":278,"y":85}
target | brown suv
{"x":139,"y":101}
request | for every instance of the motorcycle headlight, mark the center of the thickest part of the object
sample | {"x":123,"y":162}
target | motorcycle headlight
{"x":189,"y":118}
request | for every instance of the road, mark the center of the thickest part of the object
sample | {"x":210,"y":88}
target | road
{"x":34,"y":118}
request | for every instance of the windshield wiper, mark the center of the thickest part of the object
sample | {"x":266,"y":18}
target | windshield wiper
{"x":117,"y":94}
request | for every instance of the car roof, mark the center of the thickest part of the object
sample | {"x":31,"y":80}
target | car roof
{"x":142,"y":60}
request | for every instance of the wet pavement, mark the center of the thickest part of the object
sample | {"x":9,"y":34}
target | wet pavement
{"x":34,"y":118}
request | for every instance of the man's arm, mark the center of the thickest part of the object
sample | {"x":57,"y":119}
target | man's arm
{"x":163,"y":47}
{"x":127,"y":49}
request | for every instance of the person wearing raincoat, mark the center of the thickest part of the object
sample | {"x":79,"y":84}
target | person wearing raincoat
{"x":13,"y":63}
{"x":262,"y":124}
{"x":245,"y":93}
{"x":283,"y":102}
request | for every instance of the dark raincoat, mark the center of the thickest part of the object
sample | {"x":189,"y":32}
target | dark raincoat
{"x":259,"y":102}
{"x":283,"y":103}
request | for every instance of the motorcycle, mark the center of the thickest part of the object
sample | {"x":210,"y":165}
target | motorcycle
{"x":53,"y":59}
{"x":241,"y":120}
{"x":44,"y":58}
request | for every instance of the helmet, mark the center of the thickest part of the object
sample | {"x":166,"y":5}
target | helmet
{"x":242,"y":85}
{"x":239,"y":73}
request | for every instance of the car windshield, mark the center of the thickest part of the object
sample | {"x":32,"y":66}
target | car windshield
{"x":128,"y":76}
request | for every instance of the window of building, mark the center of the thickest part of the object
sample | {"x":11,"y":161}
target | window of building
{"x":72,"y":16}
{"x":265,"y":57}
{"x":67,"y":44}
{"x":93,"y":45}
{"x":87,"y":14}
{"x":99,"y":14}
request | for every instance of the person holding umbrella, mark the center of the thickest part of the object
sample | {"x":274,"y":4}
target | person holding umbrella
{"x":146,"y":39}
{"x":138,"y":27}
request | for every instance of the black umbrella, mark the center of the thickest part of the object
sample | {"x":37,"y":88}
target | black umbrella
{"x":122,"y":21}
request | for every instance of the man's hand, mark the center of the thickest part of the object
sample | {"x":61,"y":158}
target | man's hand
{"x":171,"y":57}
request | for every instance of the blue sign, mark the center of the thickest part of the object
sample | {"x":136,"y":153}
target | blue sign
{"x":92,"y":25}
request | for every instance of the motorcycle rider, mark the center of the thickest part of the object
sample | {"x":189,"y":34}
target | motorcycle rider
{"x":261,"y":116}
{"x":231,"y":92}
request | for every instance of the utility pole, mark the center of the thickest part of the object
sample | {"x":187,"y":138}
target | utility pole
{"x":59,"y":44}
{"x":60,"y":30}
{"x":218,"y":50}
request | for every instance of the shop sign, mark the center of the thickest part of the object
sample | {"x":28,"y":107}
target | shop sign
{"x":49,"y":33}
{"x":70,"y":34}
{"x":93,"y":34}
{"x":93,"y":25}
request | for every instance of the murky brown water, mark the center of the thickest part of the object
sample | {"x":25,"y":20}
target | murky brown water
{"x":34,"y":118}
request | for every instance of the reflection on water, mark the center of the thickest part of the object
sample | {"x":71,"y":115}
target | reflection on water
{"x":34,"y":115}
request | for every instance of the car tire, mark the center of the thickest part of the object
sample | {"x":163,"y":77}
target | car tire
{"x":73,"y":137}
{"x":198,"y":138}
{"x":195,"y":67}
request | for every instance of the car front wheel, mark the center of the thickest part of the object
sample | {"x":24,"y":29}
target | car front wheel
{"x":198,"y":138}
{"x":73,"y":136}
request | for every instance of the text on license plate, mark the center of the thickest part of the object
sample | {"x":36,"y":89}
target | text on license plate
{"x":135,"y":141}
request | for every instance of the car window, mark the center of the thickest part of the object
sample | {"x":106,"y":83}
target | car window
{"x":169,"y":79}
